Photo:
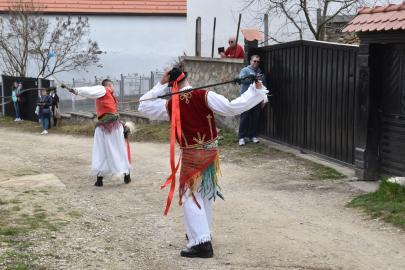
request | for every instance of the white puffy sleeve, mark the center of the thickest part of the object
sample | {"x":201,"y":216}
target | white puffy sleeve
{"x":222,"y":106}
{"x":92,"y":92}
{"x":154,"y":109}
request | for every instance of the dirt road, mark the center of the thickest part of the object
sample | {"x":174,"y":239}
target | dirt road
{"x":271,"y":218}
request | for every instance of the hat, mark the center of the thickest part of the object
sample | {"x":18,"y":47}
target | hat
{"x":174,"y":74}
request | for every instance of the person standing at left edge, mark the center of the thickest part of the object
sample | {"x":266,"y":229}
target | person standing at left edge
{"x":111,"y":151}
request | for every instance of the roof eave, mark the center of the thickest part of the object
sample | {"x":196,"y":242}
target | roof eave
{"x":109,"y":13}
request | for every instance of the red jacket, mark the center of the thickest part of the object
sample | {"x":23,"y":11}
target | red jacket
{"x":106,"y":104}
{"x":230,"y":52}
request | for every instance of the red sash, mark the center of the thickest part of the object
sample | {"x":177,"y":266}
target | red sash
{"x":175,"y":129}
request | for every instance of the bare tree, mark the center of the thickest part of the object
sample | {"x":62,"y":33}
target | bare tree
{"x":16,"y":29}
{"x":301,"y":15}
{"x":26,"y":37}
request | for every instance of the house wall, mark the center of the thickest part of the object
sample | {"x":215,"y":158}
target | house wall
{"x":137,"y":44}
{"x":133,"y":44}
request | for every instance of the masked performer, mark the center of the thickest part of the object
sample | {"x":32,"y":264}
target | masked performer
{"x":111,"y":151}
{"x":193,"y":125}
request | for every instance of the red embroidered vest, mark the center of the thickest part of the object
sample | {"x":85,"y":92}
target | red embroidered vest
{"x":197,"y":119}
{"x":106,"y":104}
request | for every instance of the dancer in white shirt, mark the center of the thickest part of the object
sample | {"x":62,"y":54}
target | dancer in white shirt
{"x":193,"y":125}
{"x":111,"y":151}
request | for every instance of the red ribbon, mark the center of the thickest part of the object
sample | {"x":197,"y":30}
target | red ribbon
{"x":175,"y":130}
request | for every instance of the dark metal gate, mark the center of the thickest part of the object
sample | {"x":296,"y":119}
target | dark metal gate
{"x":313,"y":103}
{"x":392,"y":110}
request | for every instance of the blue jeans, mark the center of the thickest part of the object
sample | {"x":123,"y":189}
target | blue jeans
{"x":249,"y":121}
{"x":17,"y":110}
{"x":45,"y":121}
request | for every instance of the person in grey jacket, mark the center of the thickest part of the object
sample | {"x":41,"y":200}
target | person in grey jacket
{"x":249,"y":120}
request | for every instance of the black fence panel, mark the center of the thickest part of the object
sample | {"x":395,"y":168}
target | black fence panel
{"x":313,"y":87}
{"x":28,"y":101}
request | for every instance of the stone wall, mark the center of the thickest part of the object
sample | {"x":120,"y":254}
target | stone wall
{"x":204,"y":70}
{"x":90,"y":118}
{"x":82,"y":118}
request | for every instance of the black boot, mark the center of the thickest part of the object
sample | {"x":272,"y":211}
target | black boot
{"x":127,"y":178}
{"x":203,"y":250}
{"x":99,"y":182}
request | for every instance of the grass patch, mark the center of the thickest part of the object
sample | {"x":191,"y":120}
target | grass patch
{"x":321,"y":172}
{"x":17,"y":260}
{"x":228,"y":142}
{"x":75,"y":214}
{"x":15,"y":201}
{"x":387,"y":203}
{"x":20,"y":232}
{"x":16,"y":208}
{"x":227,"y":138}
{"x":3,"y":202}
{"x":23,"y":125}
{"x":152,"y":133}
{"x":84,"y":129}
{"x":21,"y":267}
{"x":11,"y":231}
{"x":25,"y":172}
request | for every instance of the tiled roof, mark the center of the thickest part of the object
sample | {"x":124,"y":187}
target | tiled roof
{"x":386,"y":18}
{"x":146,"y":7}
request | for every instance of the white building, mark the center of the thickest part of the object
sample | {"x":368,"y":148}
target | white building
{"x":138,"y":36}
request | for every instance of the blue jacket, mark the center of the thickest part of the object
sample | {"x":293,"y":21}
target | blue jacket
{"x":14,"y":94}
{"x":44,"y":103}
{"x":246,"y":71}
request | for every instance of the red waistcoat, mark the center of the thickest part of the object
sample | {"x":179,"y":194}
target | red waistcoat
{"x":106,"y":104}
{"x":197,"y":119}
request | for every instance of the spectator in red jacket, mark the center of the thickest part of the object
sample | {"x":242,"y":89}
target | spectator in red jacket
{"x":234,"y":50}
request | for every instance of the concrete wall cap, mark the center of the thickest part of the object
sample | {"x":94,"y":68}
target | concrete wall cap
{"x":83,"y":114}
{"x":209,"y":59}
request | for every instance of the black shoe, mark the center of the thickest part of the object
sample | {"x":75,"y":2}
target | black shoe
{"x":99,"y":182}
{"x":127,"y":178}
{"x":203,"y":250}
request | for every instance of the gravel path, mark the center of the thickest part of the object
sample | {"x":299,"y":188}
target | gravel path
{"x":271,"y":218}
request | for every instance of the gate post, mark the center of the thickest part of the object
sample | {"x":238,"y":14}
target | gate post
{"x":366,"y":131}
{"x":250,"y":49}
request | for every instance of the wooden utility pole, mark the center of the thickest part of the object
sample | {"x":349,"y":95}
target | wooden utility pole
{"x":237,"y":33}
{"x":213,"y":37}
{"x":266,"y":29}
{"x":198,"y":37}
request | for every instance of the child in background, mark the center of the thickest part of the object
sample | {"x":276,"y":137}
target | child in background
{"x":44,"y":104}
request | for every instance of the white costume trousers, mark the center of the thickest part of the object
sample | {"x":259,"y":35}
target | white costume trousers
{"x":198,"y":222}
{"x":110,"y":155}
